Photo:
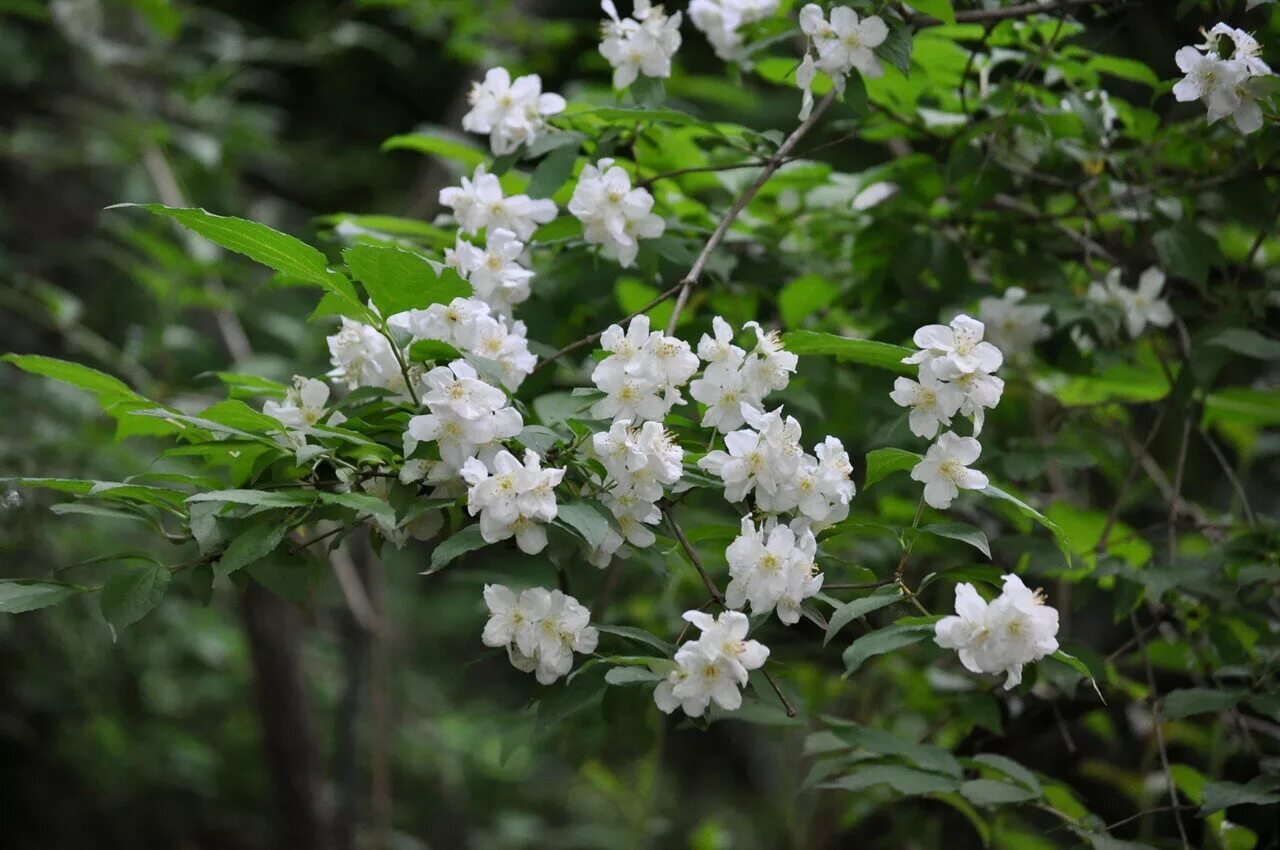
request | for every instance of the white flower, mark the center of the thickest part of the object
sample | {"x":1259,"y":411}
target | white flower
{"x":733,"y":378}
{"x":1012,"y":326}
{"x":724,"y":392}
{"x":494,"y":271}
{"x":467,"y":324}
{"x":612,"y":213}
{"x":844,"y":43}
{"x":362,"y":357}
{"x":643,"y":44}
{"x":712,"y":668}
{"x":478,"y":204}
{"x":772,"y":568}
{"x":719,"y":21}
{"x":639,"y":462}
{"x":512,"y":113}
{"x":769,"y":366}
{"x":932,"y":402}
{"x":765,"y":458}
{"x":958,"y":349}
{"x":512,"y":499}
{"x":303,"y":405}
{"x":1245,"y":48}
{"x":978,"y":391}
{"x":466,"y":415}
{"x":642,"y":375}
{"x":944,"y":470}
{"x":540,"y":630}
{"x":1016,"y":629}
{"x":1141,"y":306}
{"x":1226,"y":86}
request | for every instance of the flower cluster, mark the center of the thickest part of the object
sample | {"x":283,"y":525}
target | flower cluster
{"x":844,"y":43}
{"x":772,"y":568}
{"x":767,"y":458}
{"x":1226,"y":85}
{"x":955,"y":377}
{"x":541,"y":629}
{"x":1011,"y":325}
{"x":494,"y":271}
{"x":511,"y":112}
{"x":479,"y":204}
{"x":302,"y":409}
{"x":1141,"y":307}
{"x":642,"y":374}
{"x":469,"y":326}
{"x":467,"y":415}
{"x":642,"y":44}
{"x":712,"y":668}
{"x":362,"y":357}
{"x":513,"y":499}
{"x":1018,"y":628}
{"x":612,"y":213}
{"x":719,"y":21}
{"x":638,"y":463}
{"x":733,"y":378}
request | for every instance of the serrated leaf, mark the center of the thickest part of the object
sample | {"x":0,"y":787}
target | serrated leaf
{"x":130,"y":595}
{"x":464,"y":540}
{"x":433,"y":349}
{"x":290,"y":256}
{"x":868,"y":352}
{"x":438,"y":145}
{"x":848,"y":612}
{"x":253,"y":543}
{"x":995,"y":792}
{"x":1027,"y":510}
{"x":927,"y":756}
{"x":398,"y":280}
{"x":100,"y":384}
{"x":881,"y":641}
{"x":588,"y":517}
{"x":1010,"y":768}
{"x":639,"y":636}
{"x":904,"y":780}
{"x":962,"y":531}
{"x":883,"y":462}
{"x":17,"y":596}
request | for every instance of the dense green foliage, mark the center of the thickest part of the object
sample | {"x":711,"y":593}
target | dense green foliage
{"x":167,"y":558}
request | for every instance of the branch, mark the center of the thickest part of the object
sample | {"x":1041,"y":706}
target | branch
{"x":771,"y":165}
{"x":982,"y":16}
{"x":590,"y":338}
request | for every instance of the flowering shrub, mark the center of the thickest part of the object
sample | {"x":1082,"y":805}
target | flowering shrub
{"x":666,"y":442}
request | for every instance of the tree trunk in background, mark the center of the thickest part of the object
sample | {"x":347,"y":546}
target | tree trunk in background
{"x":274,"y":627}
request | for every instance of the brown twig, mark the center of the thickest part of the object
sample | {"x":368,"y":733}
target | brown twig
{"x":590,"y":338}
{"x":772,"y":165}
{"x":700,"y":169}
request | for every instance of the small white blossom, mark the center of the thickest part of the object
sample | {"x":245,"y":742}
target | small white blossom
{"x":466,"y":415}
{"x":932,"y":402}
{"x":720,"y":20}
{"x":642,"y":376}
{"x":1141,"y":306}
{"x":541,"y":629}
{"x":613,"y":214}
{"x":1226,"y":86}
{"x":479,"y":204}
{"x":362,"y":357}
{"x":844,"y":43}
{"x":303,"y":405}
{"x":944,"y":471}
{"x":713,"y":668}
{"x":494,"y":271}
{"x":733,"y":377}
{"x":511,"y":112}
{"x":1002,"y":636}
{"x":643,"y":44}
{"x":467,"y":324}
{"x":513,"y":499}
{"x":957,"y":349}
{"x":764,"y":459}
{"x":772,"y":567}
{"x":1012,"y":326}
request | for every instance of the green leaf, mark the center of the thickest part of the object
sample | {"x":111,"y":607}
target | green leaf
{"x":364,"y":503}
{"x":995,"y":792}
{"x":131,"y":594}
{"x":562,"y":700}
{"x":1259,"y":791}
{"x":1025,"y":509}
{"x":552,"y":172}
{"x":904,"y":780}
{"x":882,"y":597}
{"x":804,"y":296}
{"x":1189,"y":701}
{"x":881,"y":641}
{"x":1010,"y":768}
{"x":433,"y":349}
{"x":940,"y":9}
{"x":18,"y":596}
{"x":927,"y":756}
{"x":1125,"y":69}
{"x":104,"y":386}
{"x":896,"y":49}
{"x":256,"y":542}
{"x":399,"y":280}
{"x":882,"y":355}
{"x":441,"y":146}
{"x":1250,"y":343}
{"x":287,"y":255}
{"x":1186,"y":251}
{"x":588,"y":517}
{"x":259,"y":498}
{"x":883,"y":462}
{"x":464,"y":540}
{"x":962,"y":531}
{"x":632,"y":676}
{"x":1080,"y":667}
{"x":639,"y":636}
